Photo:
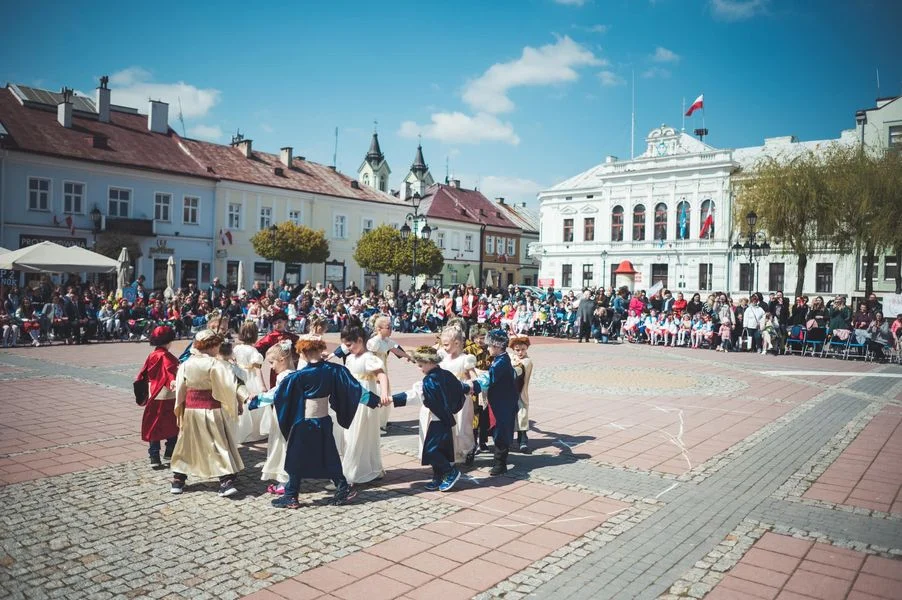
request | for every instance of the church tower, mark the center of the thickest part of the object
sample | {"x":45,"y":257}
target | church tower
{"x":374,"y":171}
{"x":419,"y":178}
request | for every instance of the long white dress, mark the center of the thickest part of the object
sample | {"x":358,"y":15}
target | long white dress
{"x":249,"y":362}
{"x":523,"y":406}
{"x":381,"y":347}
{"x":362,"y":459}
{"x":464,"y":442}
{"x":274,"y":467}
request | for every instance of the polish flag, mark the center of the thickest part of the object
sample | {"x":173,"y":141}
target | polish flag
{"x":222,"y":239}
{"x":706,"y":226}
{"x":228,"y":235}
{"x":71,"y":225}
{"x":699,"y":103}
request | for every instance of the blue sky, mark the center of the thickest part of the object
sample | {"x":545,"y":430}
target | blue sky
{"x":516,"y":95}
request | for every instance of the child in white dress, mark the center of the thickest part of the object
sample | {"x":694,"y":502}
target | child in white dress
{"x":249,"y":363}
{"x":462,"y":366}
{"x":281,"y":362}
{"x":362,"y":459}
{"x":381,"y":344}
{"x":519,"y":348}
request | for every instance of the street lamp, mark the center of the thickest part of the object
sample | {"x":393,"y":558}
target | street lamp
{"x":415,"y":219}
{"x":273,"y":230}
{"x":755,"y":244}
{"x":604,"y":267}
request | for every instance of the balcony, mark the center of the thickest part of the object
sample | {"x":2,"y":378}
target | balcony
{"x":138,"y":227}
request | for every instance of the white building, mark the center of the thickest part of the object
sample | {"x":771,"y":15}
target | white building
{"x":652,"y":211}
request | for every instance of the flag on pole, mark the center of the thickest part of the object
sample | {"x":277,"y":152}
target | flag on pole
{"x":699,"y":103}
{"x":708,"y":225}
{"x":684,"y":224}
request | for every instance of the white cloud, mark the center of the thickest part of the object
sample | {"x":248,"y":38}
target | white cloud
{"x":134,"y":86}
{"x":610,"y":79}
{"x":737,"y":10}
{"x":266,"y":127}
{"x":593,"y":28}
{"x":212,"y":133}
{"x":663,"y":55}
{"x":570,"y":2}
{"x":656,"y":72}
{"x":512,"y":189}
{"x":457,"y":127}
{"x":550,"y":64}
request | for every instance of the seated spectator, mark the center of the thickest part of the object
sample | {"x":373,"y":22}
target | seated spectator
{"x":881,"y":336}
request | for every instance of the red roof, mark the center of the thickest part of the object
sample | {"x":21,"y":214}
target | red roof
{"x":127,"y":141}
{"x":229,"y":162}
{"x":458,"y":204}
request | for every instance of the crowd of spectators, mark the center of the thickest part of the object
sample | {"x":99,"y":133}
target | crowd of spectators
{"x":78,"y":313}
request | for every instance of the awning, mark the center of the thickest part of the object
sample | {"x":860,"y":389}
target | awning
{"x":53,"y":258}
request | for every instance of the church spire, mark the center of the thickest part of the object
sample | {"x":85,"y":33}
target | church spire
{"x":419,"y":163}
{"x":375,"y":155}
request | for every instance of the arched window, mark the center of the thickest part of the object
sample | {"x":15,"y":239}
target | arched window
{"x":617,"y":224}
{"x":684,"y":220}
{"x":707,"y":220}
{"x":661,"y":221}
{"x":639,"y":223}
{"x":366,"y":179}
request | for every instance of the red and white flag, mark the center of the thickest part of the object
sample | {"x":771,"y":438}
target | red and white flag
{"x":222,"y":239}
{"x":71,"y":225}
{"x":699,"y":103}
{"x":707,"y":224}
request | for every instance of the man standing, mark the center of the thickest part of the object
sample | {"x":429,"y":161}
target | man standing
{"x":584,"y":313}
{"x":752,"y":320}
{"x":216,"y":290}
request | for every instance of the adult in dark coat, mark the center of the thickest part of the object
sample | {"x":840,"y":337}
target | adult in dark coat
{"x":584,"y":313}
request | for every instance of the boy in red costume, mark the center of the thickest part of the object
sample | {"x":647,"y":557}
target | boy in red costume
{"x":278,"y":334}
{"x":159,"y":422}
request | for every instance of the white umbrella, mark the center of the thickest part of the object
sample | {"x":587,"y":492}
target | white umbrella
{"x":471,"y":279}
{"x":3,"y":250}
{"x":170,"y":278}
{"x":240,"y":284}
{"x":53,"y":258}
{"x":488,"y":280}
{"x":123,"y":264}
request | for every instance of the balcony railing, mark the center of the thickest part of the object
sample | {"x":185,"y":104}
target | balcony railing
{"x":139,"y":227}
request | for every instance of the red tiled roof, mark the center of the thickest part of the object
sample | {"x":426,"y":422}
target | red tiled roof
{"x":524,"y":218}
{"x":458,"y":204}
{"x":128,"y":142}
{"x":229,"y":162}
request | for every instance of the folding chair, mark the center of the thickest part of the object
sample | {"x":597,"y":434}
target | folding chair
{"x":795,"y":340}
{"x":838,"y":343}
{"x":815,"y":341}
{"x":861,"y":348}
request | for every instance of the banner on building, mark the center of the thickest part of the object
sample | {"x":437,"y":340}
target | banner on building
{"x":892,"y":306}
{"x":545,"y":282}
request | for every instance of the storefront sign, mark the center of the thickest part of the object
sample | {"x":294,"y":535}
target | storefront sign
{"x":545,"y":282}
{"x":161,"y":249}
{"x":222,"y":254}
{"x":30,"y":240}
{"x":9,"y":277}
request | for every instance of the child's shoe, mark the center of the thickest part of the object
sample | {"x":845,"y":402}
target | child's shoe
{"x":177,"y":486}
{"x":286,"y":502}
{"x":344,"y":495}
{"x":277,"y":490}
{"x":449,"y":480}
{"x":227,"y":488}
{"x":432,"y":485}
{"x":155,"y":462}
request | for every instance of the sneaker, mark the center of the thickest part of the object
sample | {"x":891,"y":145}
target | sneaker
{"x":177,"y":486}
{"x":483,"y":449}
{"x":286,"y":502}
{"x":498,"y":469}
{"x":227,"y":488}
{"x":276,"y":490}
{"x":344,"y":496}
{"x":524,"y":449}
{"x":167,"y":458}
{"x":155,"y":461}
{"x":449,"y":480}
{"x":432,"y":485}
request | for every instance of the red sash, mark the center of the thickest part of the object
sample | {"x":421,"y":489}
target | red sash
{"x":201,"y":399}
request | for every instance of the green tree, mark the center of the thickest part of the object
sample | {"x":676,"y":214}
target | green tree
{"x":290,"y":243}
{"x":792,"y":201}
{"x":383,"y":251}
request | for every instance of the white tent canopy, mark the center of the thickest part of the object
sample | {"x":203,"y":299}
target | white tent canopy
{"x":3,"y":250}
{"x":53,"y":258}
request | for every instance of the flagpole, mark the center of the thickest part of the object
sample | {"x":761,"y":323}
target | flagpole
{"x":633,"y":121}
{"x":683,"y":128}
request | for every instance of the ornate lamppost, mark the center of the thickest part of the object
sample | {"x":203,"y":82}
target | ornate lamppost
{"x":755,"y":244}
{"x":416,"y":223}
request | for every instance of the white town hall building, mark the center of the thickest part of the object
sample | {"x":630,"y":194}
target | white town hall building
{"x":652,"y":211}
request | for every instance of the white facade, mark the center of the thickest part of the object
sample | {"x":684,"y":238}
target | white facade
{"x":651,"y":211}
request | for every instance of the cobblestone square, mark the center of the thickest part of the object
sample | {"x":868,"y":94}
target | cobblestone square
{"x":656,"y":473}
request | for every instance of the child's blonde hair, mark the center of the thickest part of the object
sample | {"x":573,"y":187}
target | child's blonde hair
{"x":381,"y":319}
{"x":281,"y":351}
{"x":453,"y":334}
{"x":316,"y":322}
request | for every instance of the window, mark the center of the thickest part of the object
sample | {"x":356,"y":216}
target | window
{"x":263,"y":272}
{"x":568,"y":197}
{"x":511,"y":247}
{"x":890,"y":268}
{"x":823,"y":278}
{"x":775,"y":278}
{"x":566,"y":276}
{"x":38,"y":193}
{"x":191,"y":206}
{"x":232,"y":275}
{"x":499,"y":245}
{"x":639,"y":223}
{"x":705,"y":279}
{"x":119,"y":200}
{"x":440,"y":240}
{"x":865,"y":272}
{"x":205,"y":271}
{"x":190,"y":273}
{"x":295,"y":217}
{"x":568,"y":230}
{"x":895,"y":136}
{"x":368,"y":224}
{"x":161,"y":206}
{"x":234,"y":217}
{"x":589,"y":229}
{"x":617,"y":224}
{"x":455,"y":241}
{"x":746,"y":275}
{"x":589,"y":196}
{"x":707,"y":209}
{"x":587,"y":276}
{"x":340,"y":227}
{"x":74,"y":198}
{"x":490,"y":244}
{"x":382,"y":185}
{"x":661,"y":221}
{"x":659,"y":274}
{"x":366,"y":179}
{"x":612,"y":276}
{"x":683,"y":221}
{"x":468,"y":242}
{"x":265,"y":217}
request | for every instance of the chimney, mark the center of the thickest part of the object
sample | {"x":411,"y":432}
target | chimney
{"x":285,"y":156}
{"x":158,"y":117}
{"x":245,"y":145}
{"x":103,"y":100}
{"x":609,"y":159}
{"x":499,"y":200}
{"x":455,"y":183}
{"x":64,"y":109}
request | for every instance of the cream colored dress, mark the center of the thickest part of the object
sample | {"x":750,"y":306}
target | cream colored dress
{"x":274,"y":467}
{"x":464,"y":442}
{"x":249,"y":363}
{"x":362,"y":459}
{"x":523,"y":410}
{"x":206,"y":446}
{"x":381,"y":347}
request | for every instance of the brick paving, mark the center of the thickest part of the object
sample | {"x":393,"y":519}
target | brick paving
{"x":646,"y":461}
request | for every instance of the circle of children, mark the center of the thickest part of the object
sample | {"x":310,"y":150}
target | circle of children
{"x":322,"y":419}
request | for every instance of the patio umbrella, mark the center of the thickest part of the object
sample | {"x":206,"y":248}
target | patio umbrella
{"x":240,"y":283}
{"x":471,"y":279}
{"x":489,"y":282}
{"x":53,"y":258}
{"x":122,"y":278}
{"x":170,"y":278}
{"x":3,"y":250}
{"x":92,"y":261}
